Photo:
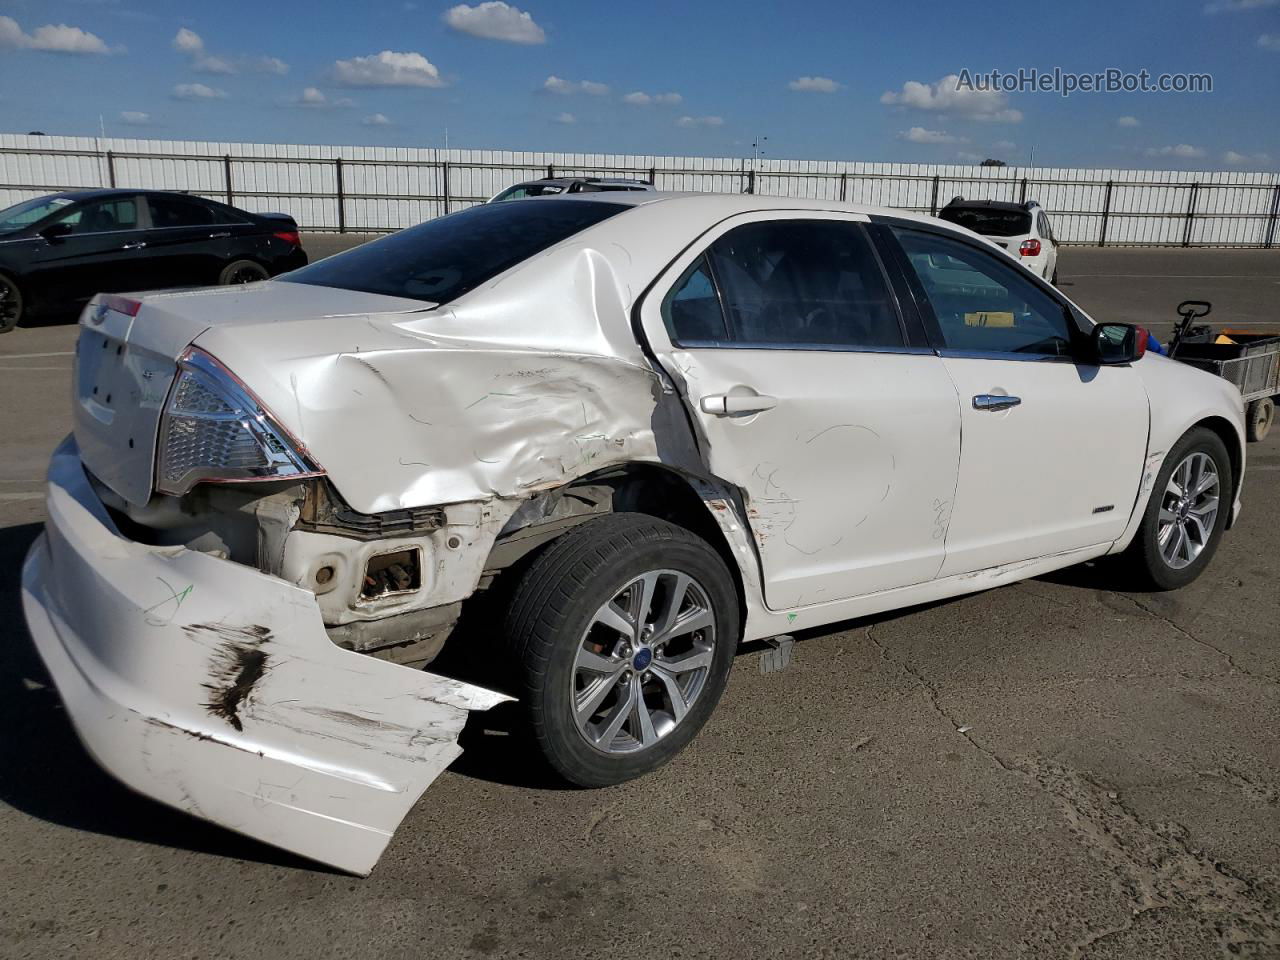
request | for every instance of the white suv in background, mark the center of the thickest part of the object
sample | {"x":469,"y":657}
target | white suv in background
{"x":1022,"y":229}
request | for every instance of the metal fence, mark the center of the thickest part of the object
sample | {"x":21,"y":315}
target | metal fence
{"x":378,"y":189}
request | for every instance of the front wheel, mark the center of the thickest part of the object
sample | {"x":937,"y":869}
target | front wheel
{"x":243,"y":271}
{"x":623,"y":632}
{"x":10,"y":304}
{"x":1186,"y":514}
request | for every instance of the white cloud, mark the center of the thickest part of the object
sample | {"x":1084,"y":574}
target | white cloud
{"x":198,"y":91}
{"x":641,"y":99}
{"x":1128,"y":122}
{"x":377,"y":120}
{"x":1238,"y":6}
{"x":135,"y":118}
{"x":921,"y":135}
{"x":1269,"y":41}
{"x":387,"y":69}
{"x":554,"y":84}
{"x":946,"y":97}
{"x":495,"y":20}
{"x":207,"y":63}
{"x":1183,"y":151}
{"x":314,"y":97}
{"x":1004,"y":145}
{"x":269,"y":65}
{"x":814,"y":85}
{"x":1234,"y":159}
{"x":700,"y":122}
{"x":966,"y":157}
{"x":52,"y":38}
{"x":564,"y":118}
{"x":188,"y":41}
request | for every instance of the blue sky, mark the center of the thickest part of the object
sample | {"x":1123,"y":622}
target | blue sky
{"x":824,"y":79}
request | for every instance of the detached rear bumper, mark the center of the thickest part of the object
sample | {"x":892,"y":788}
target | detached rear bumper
{"x":214,"y":688}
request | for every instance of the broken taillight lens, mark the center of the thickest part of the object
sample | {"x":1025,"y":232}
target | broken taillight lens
{"x":215,"y":430}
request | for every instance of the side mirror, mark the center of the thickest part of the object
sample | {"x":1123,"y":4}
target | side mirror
{"x":56,"y":231}
{"x":1118,"y":343}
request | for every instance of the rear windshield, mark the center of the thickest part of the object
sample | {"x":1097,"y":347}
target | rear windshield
{"x":442,"y":259}
{"x":990,"y":223}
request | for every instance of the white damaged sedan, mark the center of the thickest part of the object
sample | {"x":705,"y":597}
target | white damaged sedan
{"x":655,"y":426}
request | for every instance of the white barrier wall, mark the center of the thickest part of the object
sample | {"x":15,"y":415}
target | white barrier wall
{"x":386,"y":188}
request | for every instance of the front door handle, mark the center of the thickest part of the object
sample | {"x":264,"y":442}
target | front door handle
{"x":728,"y":404}
{"x":138,"y":245}
{"x":992,"y":402}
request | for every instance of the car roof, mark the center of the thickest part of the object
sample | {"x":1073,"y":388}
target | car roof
{"x":713,"y":207}
{"x":1006,"y":205}
{"x":77,"y":195}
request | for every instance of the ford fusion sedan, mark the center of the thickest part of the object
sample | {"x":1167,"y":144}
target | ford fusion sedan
{"x":58,"y":251}
{"x":639,"y":428}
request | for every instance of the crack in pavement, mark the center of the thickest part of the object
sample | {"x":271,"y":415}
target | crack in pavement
{"x":1231,"y":661}
{"x":1153,"y":866}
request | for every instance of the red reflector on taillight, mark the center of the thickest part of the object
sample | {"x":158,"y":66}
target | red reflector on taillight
{"x":1029,"y":248}
{"x":123,"y":305}
{"x":288,"y":236}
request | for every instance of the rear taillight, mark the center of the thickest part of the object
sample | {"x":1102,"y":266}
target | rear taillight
{"x":288,"y":236}
{"x":1029,"y":248}
{"x":214,"y":430}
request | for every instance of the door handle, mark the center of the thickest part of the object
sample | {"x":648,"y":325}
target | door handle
{"x":724,"y":404}
{"x":993,"y":402}
{"x":219,"y":236}
{"x":134,"y":246}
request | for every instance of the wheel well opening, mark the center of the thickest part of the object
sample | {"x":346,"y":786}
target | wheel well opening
{"x":1231,"y":440}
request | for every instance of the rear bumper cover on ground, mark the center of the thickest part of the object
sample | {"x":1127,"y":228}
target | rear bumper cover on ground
{"x":214,"y":688}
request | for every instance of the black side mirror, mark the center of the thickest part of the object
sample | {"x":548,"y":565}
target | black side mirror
{"x":56,"y":231}
{"x":1118,"y":343}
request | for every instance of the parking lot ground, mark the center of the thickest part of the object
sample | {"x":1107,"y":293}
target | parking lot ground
{"x":1050,"y":769}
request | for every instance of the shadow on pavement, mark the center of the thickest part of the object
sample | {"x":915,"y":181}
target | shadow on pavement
{"x":46,"y":773}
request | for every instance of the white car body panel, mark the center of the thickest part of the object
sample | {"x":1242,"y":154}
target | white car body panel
{"x":530,"y":381}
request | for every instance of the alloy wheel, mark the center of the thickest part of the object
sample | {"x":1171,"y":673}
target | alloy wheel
{"x":1189,"y":510}
{"x":642,"y":662}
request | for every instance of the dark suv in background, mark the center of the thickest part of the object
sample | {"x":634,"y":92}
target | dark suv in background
{"x":57,"y":251}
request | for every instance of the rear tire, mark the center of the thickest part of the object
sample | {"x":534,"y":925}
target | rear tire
{"x":1260,"y":418}
{"x":1054,"y":281}
{"x":242,"y":271}
{"x":1185,"y":517}
{"x":598,"y":675}
{"x":10,"y":304}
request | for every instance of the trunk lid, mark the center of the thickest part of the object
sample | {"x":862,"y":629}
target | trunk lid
{"x":127,"y":353}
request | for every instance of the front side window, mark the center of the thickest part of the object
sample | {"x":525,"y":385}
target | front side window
{"x":442,"y":259}
{"x":983,"y":303}
{"x":804,"y":283}
{"x":30,"y":211}
{"x":169,"y":211}
{"x":102,"y":216}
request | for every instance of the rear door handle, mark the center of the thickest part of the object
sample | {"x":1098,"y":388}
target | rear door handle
{"x":990,"y":401}
{"x":138,"y":245}
{"x":724,"y":404}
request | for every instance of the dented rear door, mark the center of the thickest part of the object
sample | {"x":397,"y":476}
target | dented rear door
{"x":812,"y":394}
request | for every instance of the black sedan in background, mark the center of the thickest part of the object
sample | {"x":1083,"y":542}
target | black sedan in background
{"x":58,"y":251}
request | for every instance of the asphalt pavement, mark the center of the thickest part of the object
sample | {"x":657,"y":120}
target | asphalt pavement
{"x":1050,"y":769}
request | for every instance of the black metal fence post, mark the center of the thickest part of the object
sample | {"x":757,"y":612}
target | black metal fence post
{"x":444,"y":184}
{"x":342,"y":196}
{"x":1022,"y":191}
{"x":933,"y":204}
{"x":751,"y":180}
{"x":111,"y":168}
{"x":1106,"y":212}
{"x":844,"y":187}
{"x":551,"y":170}
{"x":1191,"y":214}
{"x":1271,"y":218}
{"x":226,"y":176}
{"x":653,"y":176}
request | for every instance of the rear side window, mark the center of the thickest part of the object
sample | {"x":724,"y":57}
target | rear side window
{"x":442,"y":259}
{"x":180,"y":212}
{"x":991,"y":223}
{"x":801,"y":283}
